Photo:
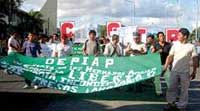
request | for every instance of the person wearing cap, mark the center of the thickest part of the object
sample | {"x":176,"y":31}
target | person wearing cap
{"x":180,"y":56}
{"x":113,"y":48}
{"x":137,"y":48}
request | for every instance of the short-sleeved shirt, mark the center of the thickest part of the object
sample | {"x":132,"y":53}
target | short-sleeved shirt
{"x":14,"y":42}
{"x":139,"y":46}
{"x":111,"y":51}
{"x":62,"y":50}
{"x":91,"y":47}
{"x":182,"y":54}
{"x":198,"y":49}
{"x":165,"y":51}
{"x":45,"y":50}
{"x":31,"y":49}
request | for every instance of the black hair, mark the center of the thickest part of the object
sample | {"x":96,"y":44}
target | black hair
{"x":55,"y":34}
{"x":115,"y":36}
{"x":184,"y":32}
{"x":136,"y":34}
{"x":92,"y":32}
{"x":160,"y":33}
{"x":151,"y":36}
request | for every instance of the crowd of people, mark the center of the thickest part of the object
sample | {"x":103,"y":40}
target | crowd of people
{"x":175,"y":57}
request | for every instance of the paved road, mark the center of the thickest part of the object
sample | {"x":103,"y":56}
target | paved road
{"x":14,"y":98}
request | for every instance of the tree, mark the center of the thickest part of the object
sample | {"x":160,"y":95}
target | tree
{"x":35,"y":21}
{"x":7,"y":8}
{"x":193,"y":34}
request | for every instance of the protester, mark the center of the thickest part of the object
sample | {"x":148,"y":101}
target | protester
{"x":53,"y":42}
{"x":102,"y":42}
{"x":63,"y":49}
{"x":91,"y":46}
{"x":180,"y":55}
{"x":31,"y":48}
{"x":55,"y":39}
{"x":163,"y":48}
{"x":13,"y":44}
{"x":150,"y":45}
{"x":198,"y":50}
{"x":113,"y":48}
{"x":45,"y":48}
{"x":137,"y":48}
{"x":151,"y":48}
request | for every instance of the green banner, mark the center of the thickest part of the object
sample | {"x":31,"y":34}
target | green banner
{"x":78,"y":49}
{"x":82,"y":74}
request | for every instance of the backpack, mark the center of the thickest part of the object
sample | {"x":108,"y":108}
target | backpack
{"x":97,"y":45}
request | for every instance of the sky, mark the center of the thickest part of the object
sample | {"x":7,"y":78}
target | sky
{"x":154,"y":14}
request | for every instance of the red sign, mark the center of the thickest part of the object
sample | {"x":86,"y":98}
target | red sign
{"x":112,"y":26}
{"x":67,"y":29}
{"x":142,"y":30}
{"x":172,"y":34}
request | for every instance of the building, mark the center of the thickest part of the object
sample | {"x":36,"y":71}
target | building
{"x":49,"y":12}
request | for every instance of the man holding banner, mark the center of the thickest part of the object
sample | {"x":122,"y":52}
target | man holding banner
{"x":31,"y":49}
{"x":137,"y":48}
{"x":113,"y":48}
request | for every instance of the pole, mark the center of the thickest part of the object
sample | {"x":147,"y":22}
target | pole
{"x":134,"y":12}
{"x":177,"y":18}
{"x":48,"y":27}
{"x":197,"y":23}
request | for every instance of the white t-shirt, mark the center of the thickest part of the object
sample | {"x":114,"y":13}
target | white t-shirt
{"x":45,"y":50}
{"x":182,"y":56}
{"x":62,"y":50}
{"x":140,"y":46}
{"x":14,"y":42}
{"x":198,"y":49}
{"x":109,"y":50}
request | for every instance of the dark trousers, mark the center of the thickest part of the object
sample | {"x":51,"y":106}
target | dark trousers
{"x":28,"y":82}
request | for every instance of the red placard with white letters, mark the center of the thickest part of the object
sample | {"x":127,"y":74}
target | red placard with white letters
{"x":112,"y":27}
{"x":67,"y":29}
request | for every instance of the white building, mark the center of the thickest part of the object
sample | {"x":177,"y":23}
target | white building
{"x":49,"y":12}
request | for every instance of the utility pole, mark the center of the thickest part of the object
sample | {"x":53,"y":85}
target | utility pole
{"x":132,"y":10}
{"x":177,"y":15}
{"x":197,"y":23}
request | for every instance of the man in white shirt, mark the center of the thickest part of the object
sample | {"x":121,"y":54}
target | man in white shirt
{"x":63,"y":49}
{"x":137,"y":48}
{"x":13,"y":44}
{"x":180,"y":55}
{"x":53,"y":42}
{"x":91,"y":45}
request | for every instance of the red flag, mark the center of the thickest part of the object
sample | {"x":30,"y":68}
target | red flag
{"x":67,"y":29}
{"x":112,"y":26}
{"x":172,"y":34}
